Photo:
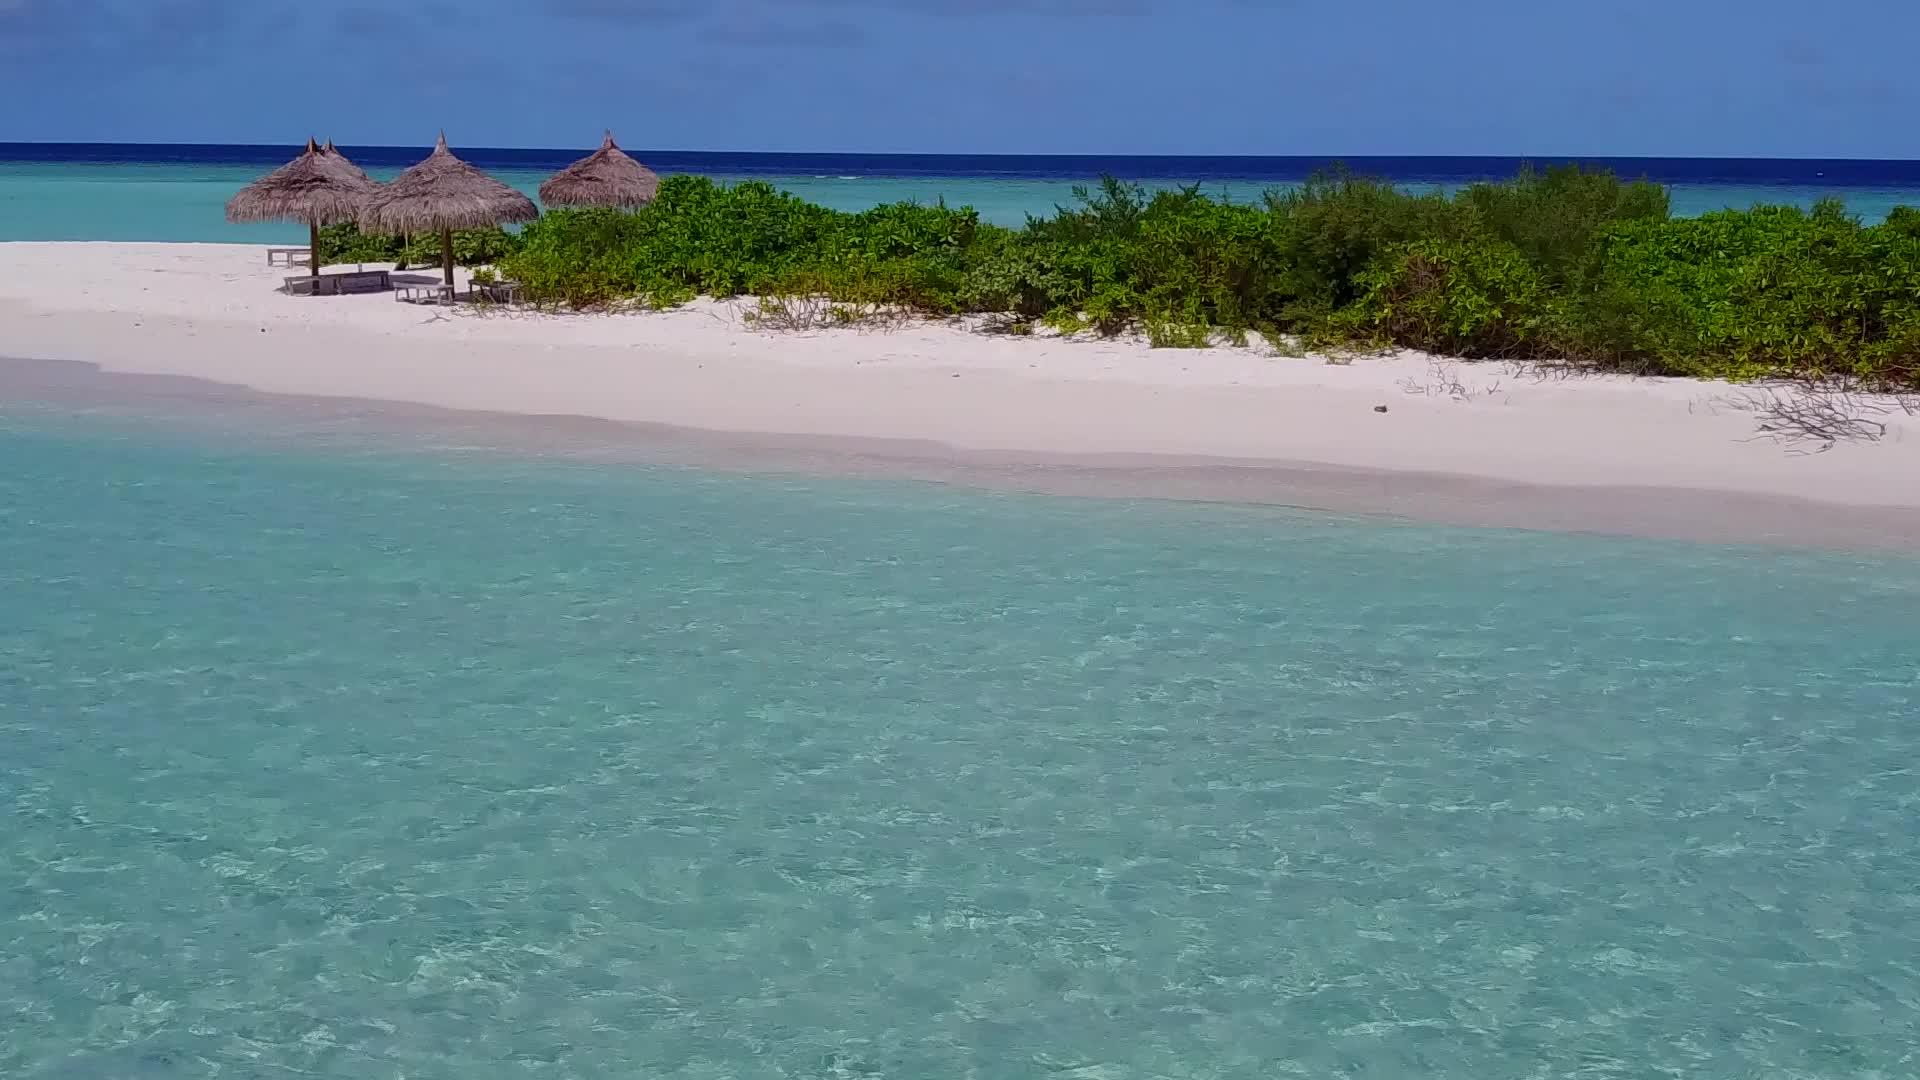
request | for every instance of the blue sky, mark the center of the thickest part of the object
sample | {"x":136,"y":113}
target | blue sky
{"x":1679,"y":77}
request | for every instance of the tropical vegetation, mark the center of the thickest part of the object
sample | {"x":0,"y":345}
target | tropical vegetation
{"x":1567,"y":264}
{"x":471,"y":247}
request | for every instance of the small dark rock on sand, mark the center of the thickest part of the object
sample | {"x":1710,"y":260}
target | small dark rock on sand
{"x":1379,"y":408}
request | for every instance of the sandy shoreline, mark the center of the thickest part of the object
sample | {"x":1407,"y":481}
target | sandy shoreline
{"x":1462,"y":443}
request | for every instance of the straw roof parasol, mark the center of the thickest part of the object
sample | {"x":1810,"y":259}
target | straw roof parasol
{"x":442,"y":194}
{"x":320,"y":187}
{"x":606,"y":177}
{"x":329,"y":148}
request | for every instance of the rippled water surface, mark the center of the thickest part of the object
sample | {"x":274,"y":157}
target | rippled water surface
{"x":356,"y":762}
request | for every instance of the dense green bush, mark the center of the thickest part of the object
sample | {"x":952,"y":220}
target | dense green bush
{"x":1749,"y":294}
{"x":1478,"y":297}
{"x":1553,"y":217}
{"x":1332,"y":229}
{"x":345,"y":243}
{"x":699,"y":237}
{"x":1563,"y":264}
{"x":471,"y":247}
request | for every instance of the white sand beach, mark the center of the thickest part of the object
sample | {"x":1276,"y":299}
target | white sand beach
{"x":1470,"y":442}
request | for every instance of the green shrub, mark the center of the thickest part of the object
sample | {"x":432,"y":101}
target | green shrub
{"x":1560,"y":263}
{"x":1552,"y":217}
{"x":1023,"y":279}
{"x":471,"y":247}
{"x":1326,"y":233}
{"x":580,"y":258}
{"x":1773,"y":291}
{"x":1474,"y":298}
{"x":345,"y":243}
{"x":1178,"y":332}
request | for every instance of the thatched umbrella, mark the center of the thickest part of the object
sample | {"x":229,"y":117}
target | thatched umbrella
{"x":607,"y":177}
{"x":320,"y":187}
{"x":442,"y":194}
{"x":331,"y":149}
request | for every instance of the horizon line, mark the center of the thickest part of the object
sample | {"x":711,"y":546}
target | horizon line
{"x":1328,"y":156}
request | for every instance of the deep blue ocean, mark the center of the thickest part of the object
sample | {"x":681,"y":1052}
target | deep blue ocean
{"x":1757,"y":172}
{"x":177,"y":192}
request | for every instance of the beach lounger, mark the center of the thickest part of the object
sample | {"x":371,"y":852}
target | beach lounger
{"x":497,"y":292}
{"x":352,"y":281}
{"x":289,"y":256}
{"x":436,"y":293}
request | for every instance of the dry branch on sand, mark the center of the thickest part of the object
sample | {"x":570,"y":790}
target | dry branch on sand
{"x":1814,"y":417}
{"x":804,"y":312}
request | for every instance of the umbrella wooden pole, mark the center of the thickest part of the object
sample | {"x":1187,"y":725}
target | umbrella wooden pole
{"x":446,"y":253}
{"x":313,"y":249}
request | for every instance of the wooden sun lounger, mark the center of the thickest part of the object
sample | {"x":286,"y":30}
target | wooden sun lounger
{"x":497,"y":292}
{"x":289,"y":256}
{"x":352,"y":281}
{"x":436,"y":293}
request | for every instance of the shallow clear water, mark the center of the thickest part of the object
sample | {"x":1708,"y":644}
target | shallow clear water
{"x":347,"y":762}
{"x":186,"y":202}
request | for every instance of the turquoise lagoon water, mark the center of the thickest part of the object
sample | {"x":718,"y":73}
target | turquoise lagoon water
{"x":186,"y":201}
{"x":378,"y":761}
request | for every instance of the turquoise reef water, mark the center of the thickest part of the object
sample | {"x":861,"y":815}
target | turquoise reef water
{"x":185,"y":202}
{"x":381,"y":761}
